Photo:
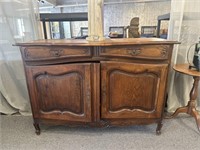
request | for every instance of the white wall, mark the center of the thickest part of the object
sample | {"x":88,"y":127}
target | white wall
{"x":121,"y":14}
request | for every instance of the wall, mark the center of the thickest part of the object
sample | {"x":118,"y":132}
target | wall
{"x":121,"y":14}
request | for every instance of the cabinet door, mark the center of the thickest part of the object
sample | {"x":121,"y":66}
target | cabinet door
{"x":130,"y":90}
{"x":60,"y":92}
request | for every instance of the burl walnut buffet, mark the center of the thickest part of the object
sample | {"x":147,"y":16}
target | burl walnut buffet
{"x":115,"y":82}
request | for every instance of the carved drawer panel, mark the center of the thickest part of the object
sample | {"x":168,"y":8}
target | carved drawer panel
{"x":159,"y":52}
{"x":48,"y":53}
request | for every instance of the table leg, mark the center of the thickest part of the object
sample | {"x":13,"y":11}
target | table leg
{"x":193,"y":96}
{"x":196,"y":115}
{"x":179,"y":110}
{"x":190,"y":108}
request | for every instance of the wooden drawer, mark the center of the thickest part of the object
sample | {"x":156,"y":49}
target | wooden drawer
{"x":159,"y":52}
{"x":48,"y":53}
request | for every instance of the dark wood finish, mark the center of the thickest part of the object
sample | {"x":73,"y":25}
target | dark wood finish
{"x":132,"y":90}
{"x":191,"y":106}
{"x":96,"y":92}
{"x":184,"y":68}
{"x":37,"y":128}
{"x":49,"y":53}
{"x":115,"y":82}
{"x":107,"y":42}
{"x":50,"y":100}
{"x":143,"y":52}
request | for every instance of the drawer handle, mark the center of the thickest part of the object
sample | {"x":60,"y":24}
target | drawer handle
{"x":56,"y":53}
{"x":163,"y":53}
{"x":134,"y":52}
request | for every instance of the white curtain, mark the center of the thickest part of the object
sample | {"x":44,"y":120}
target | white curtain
{"x":18,"y":23}
{"x":184,"y":26}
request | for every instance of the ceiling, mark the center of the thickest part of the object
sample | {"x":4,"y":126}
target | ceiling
{"x":69,"y":3}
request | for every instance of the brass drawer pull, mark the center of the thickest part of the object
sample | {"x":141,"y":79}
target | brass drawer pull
{"x":56,"y":53}
{"x":134,"y":52}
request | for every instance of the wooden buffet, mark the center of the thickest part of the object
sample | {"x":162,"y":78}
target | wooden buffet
{"x":112,"y":82}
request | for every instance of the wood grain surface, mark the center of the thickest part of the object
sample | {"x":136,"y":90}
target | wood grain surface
{"x":184,"y":68}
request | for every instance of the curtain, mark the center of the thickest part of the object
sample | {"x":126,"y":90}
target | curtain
{"x":18,"y":23}
{"x":184,"y":26}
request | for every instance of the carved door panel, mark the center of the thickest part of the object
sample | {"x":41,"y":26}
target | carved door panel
{"x":130,"y":90}
{"x":61,"y":92}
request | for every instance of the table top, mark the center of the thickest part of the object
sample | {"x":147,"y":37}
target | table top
{"x":184,"y":68}
{"x":106,"y":42}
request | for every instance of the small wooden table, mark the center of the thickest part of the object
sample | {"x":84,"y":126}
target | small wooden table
{"x":190,"y":108}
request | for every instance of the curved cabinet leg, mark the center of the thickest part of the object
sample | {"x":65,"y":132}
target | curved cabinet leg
{"x":37,"y":128}
{"x":158,"y":129}
{"x":179,"y":110}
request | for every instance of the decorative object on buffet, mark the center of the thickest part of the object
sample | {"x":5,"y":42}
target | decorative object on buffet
{"x":133,"y":31}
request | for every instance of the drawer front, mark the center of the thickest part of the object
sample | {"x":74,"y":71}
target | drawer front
{"x":160,"y":52}
{"x":47,"y":53}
